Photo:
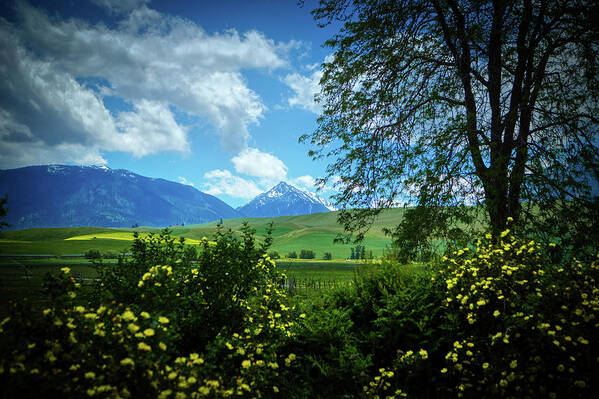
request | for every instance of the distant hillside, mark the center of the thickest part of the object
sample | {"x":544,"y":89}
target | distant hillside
{"x":285,"y":200}
{"x":291,"y":233}
{"x":67,"y":196}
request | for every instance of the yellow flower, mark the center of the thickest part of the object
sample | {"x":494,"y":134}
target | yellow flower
{"x":79,"y":309}
{"x":144,"y":347}
{"x":496,"y":313}
{"x":162,"y":346}
{"x":423,"y":353}
{"x":128,"y":315}
{"x":127,"y":362}
{"x":246,"y":364}
{"x":133,"y":328}
{"x":444,"y":370}
{"x":485,"y":365}
{"x":172,"y":375}
{"x":90,"y":375}
{"x":165,"y":394}
{"x":163,"y":320}
{"x":148,"y":332}
{"x":65,"y":270}
{"x":145,"y":315}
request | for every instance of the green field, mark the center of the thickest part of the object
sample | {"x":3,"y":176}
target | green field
{"x":314,"y":232}
{"x":21,"y":274}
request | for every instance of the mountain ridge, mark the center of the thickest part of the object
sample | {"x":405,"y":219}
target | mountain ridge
{"x":67,"y":196}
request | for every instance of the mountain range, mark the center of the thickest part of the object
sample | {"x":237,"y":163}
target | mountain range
{"x":67,"y":196}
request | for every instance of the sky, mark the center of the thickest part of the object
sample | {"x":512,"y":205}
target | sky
{"x":213,"y":94}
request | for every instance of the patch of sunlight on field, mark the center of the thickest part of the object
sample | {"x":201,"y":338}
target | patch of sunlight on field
{"x":120,"y":235}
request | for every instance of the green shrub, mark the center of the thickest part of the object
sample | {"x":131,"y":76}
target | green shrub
{"x":521,"y":327}
{"x":214,"y":327}
{"x":292,"y":255}
{"x":327,"y":256}
{"x":93,"y":254}
{"x":526,"y":324}
{"x":274,"y":255}
{"x":307,"y":254}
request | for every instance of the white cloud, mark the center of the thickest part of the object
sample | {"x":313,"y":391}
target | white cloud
{"x":159,"y":64}
{"x":222,"y":181}
{"x":38,"y":153}
{"x":253,"y":162}
{"x":306,"y":182}
{"x":183,"y":180}
{"x":120,"y":6}
{"x":304,"y":88}
{"x":151,"y":128}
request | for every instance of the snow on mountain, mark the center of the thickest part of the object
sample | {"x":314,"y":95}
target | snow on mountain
{"x":285,"y":200}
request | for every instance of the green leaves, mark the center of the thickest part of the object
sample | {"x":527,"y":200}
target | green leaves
{"x":445,"y":104}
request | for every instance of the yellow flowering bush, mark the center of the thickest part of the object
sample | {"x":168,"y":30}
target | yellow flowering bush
{"x":525,"y":325}
{"x":185,"y":331}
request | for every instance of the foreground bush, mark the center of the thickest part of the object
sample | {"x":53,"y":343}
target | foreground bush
{"x":175,"y":329}
{"x":523,"y":327}
{"x":497,"y":320}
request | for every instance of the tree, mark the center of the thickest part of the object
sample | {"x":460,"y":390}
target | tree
{"x":3,"y":211}
{"x":327,"y":256}
{"x":307,"y":254}
{"x":274,"y":255}
{"x":442,"y":103}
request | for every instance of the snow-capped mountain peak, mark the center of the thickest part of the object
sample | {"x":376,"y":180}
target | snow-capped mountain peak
{"x":285,"y":200}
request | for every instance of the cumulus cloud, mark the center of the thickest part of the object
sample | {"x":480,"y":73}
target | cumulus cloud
{"x":120,"y":6}
{"x":155,"y":118}
{"x":304,"y":89}
{"x":306,"y":182}
{"x":253,"y":162}
{"x":222,"y":181}
{"x":263,"y":170}
{"x":157,"y":64}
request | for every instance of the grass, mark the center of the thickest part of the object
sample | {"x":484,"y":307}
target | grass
{"x":119,"y":235}
{"x":314,"y":232}
{"x":24,"y":277}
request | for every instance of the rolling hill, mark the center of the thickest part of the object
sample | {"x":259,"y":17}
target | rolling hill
{"x":291,"y":233}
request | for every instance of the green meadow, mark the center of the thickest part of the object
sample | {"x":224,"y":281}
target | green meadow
{"x":315,"y":232}
{"x":21,"y":272}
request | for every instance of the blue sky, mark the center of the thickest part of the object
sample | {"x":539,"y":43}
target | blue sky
{"x":209,"y":93}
